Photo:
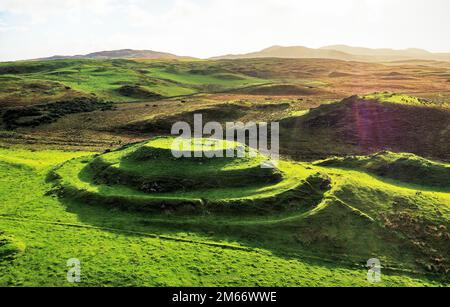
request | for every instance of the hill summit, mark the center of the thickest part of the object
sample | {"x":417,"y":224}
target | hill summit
{"x":121,"y":54}
{"x":342,"y":52}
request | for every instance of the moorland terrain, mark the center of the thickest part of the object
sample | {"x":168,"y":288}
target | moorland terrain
{"x":86,"y":172}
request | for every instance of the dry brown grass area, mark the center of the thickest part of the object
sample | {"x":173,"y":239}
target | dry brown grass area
{"x":298,"y":85}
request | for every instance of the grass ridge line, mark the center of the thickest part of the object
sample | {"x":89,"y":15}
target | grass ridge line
{"x":146,"y":234}
{"x":212,"y":244}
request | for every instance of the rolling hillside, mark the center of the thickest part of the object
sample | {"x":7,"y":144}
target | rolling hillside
{"x":121,"y":54}
{"x":367,"y":124}
{"x":386,"y":54}
{"x":297,"y":52}
{"x":342,"y":52}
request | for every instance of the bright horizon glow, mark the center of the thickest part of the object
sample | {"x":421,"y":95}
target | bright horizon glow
{"x":205,"y":28}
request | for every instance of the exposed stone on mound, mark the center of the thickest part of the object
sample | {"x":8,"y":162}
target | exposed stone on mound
{"x":125,"y":171}
{"x":146,"y":177}
{"x":320,"y":182}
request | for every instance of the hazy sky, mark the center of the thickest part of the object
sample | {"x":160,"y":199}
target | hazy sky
{"x":204,"y":28}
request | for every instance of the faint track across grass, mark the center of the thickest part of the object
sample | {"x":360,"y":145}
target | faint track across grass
{"x":206,"y":243}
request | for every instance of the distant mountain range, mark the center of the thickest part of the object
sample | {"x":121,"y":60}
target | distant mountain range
{"x":342,"y":52}
{"x":336,"y":52}
{"x":120,"y":54}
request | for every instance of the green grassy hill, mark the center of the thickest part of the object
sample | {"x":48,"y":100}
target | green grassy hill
{"x":405,"y":167}
{"x":46,"y":81}
{"x":316,"y":225}
{"x":368,"y":124}
{"x":147,"y":177}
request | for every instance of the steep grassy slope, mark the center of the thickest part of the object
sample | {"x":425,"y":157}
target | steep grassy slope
{"x":361,"y":125}
{"x":408,"y":168}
